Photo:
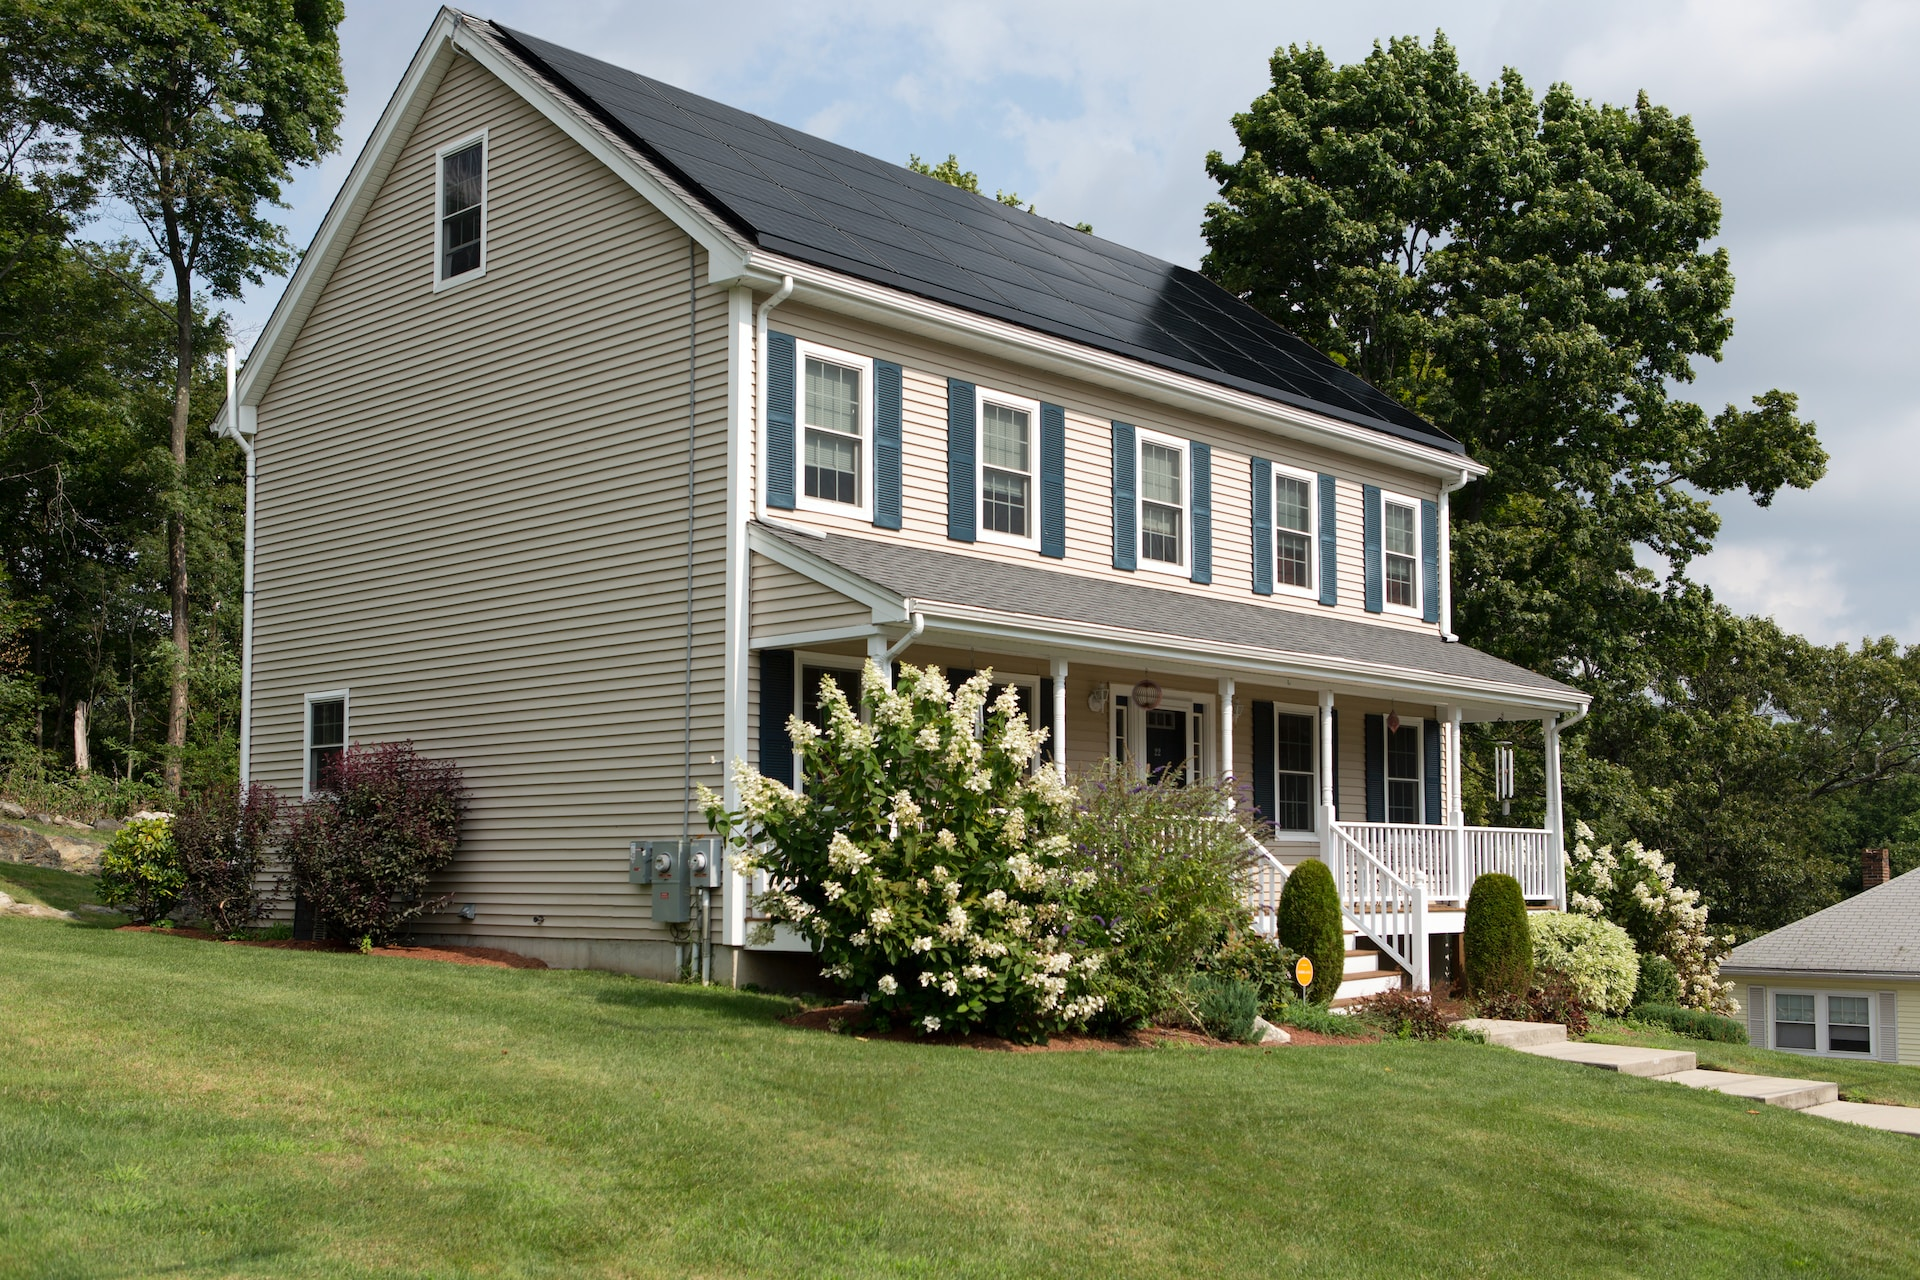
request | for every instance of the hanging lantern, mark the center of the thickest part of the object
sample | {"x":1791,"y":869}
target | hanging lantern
{"x":1393,"y":722}
{"x":1146,"y":695}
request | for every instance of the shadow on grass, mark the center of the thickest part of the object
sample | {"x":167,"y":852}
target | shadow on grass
{"x":722,"y":1003}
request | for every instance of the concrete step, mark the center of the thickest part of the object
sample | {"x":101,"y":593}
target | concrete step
{"x":1628,"y":1060}
{"x":1515,"y":1035}
{"x":1775,"y":1091}
{"x":1871,"y":1114}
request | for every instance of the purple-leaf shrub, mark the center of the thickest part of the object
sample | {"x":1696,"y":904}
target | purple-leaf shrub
{"x":222,"y":837}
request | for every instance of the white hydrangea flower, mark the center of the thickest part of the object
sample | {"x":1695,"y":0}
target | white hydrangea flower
{"x":833,"y":889}
{"x":881,"y":917}
{"x":977,"y":972}
{"x":846,"y":856}
{"x":950,"y":986}
{"x":887,"y":984}
{"x":930,"y":1022}
{"x":946,"y":840}
{"x":922,"y":944}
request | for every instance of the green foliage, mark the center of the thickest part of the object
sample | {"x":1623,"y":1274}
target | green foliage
{"x":1659,"y":982}
{"x":1308,"y":923}
{"x":1267,"y":965}
{"x":363,"y":852}
{"x":1308,"y":1015}
{"x":1166,"y":869}
{"x":1404,"y":1015}
{"x":1636,"y":890}
{"x":1225,"y":1007}
{"x":1552,"y":999}
{"x":1595,"y":955}
{"x":926,"y":860}
{"x":140,"y":870}
{"x":1697,"y":1023}
{"x":223,"y":837}
{"x":1497,"y":942}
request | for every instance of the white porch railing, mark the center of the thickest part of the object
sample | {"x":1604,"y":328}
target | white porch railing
{"x":1267,"y":877}
{"x":1451,"y":858}
{"x":1531,"y":857}
{"x":1389,"y":909}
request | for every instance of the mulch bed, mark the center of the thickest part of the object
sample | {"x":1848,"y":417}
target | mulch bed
{"x":850,"y":1018}
{"x":485,"y":957}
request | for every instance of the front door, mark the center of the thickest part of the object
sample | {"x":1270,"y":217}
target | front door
{"x":1167,"y":743}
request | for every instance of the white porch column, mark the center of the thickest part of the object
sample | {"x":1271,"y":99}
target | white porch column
{"x":1456,"y":815}
{"x":740,"y":503}
{"x":877,"y":654}
{"x":1326,"y":778}
{"x":1556,"y":843}
{"x":1226,"y":727}
{"x":1060,"y":717}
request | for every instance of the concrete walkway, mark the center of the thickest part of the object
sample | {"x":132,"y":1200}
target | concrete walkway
{"x":1678,"y":1066}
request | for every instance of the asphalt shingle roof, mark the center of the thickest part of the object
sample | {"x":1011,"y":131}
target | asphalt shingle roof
{"x":1875,"y":932}
{"x":925,"y":575}
{"x":826,"y":204}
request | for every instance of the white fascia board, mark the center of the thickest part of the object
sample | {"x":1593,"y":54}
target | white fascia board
{"x":834,"y":291}
{"x":814,"y":639}
{"x":1818,"y":975}
{"x":886,"y":606}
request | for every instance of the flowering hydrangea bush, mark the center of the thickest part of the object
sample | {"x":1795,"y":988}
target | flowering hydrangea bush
{"x":924,"y":860}
{"x":1594,"y":954}
{"x":1634,"y":888}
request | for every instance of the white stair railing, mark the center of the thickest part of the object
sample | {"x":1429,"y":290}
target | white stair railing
{"x":1267,"y":878}
{"x":1389,"y":911}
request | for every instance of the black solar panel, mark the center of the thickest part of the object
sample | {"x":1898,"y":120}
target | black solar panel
{"x":823,"y":203}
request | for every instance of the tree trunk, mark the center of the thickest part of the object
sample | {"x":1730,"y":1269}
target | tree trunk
{"x":82,"y":759}
{"x":177,"y":528}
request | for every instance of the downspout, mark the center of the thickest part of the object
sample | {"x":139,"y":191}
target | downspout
{"x":1446,"y":558}
{"x":232,"y":428}
{"x":900,"y":646}
{"x":686,"y":794}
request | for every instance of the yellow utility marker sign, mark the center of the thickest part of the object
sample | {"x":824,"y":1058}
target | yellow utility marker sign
{"x":1303,"y":973}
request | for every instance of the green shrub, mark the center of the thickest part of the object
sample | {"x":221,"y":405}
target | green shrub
{"x":1317,"y":1018}
{"x":1595,"y":955}
{"x":1659,"y":981}
{"x":140,"y":869}
{"x":1552,"y":999}
{"x":1309,"y":923}
{"x":1405,"y":1015}
{"x":222,"y":839}
{"x":1225,"y":1007}
{"x":1166,"y":867}
{"x":1267,"y":965}
{"x":1498,"y":943}
{"x":1697,"y":1023}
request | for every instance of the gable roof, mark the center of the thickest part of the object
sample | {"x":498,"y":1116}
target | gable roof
{"x":828,"y":205}
{"x":1876,"y":932}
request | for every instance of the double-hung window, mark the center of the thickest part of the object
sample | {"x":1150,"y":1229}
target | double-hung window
{"x":326,"y":738}
{"x":1826,"y":1023}
{"x":1293,"y":758}
{"x":1404,"y":783}
{"x":1293,"y":529}
{"x":836,"y":417}
{"x":1008,"y":450}
{"x":1164,"y":522}
{"x":1400,"y":547}
{"x":461,"y":233}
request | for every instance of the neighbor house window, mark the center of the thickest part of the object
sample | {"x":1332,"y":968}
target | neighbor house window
{"x":1826,"y":1023}
{"x":1403,"y":774}
{"x":1293,"y":757}
{"x":1163,"y":502}
{"x":1007,"y":467}
{"x":463,"y":209}
{"x":835,"y":417}
{"x":1293,"y":530}
{"x":326,"y":739}
{"x":1849,"y":1026}
{"x":1400,"y":541}
{"x":1793,"y":1025}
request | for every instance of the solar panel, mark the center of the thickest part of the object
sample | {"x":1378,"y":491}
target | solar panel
{"x":820,"y":202}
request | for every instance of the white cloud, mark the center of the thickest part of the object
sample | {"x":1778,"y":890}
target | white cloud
{"x":1784,"y":582}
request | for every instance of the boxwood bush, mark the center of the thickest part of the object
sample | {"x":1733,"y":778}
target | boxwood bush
{"x":1309,"y":924}
{"x":1595,"y":955}
{"x":1697,"y":1023}
{"x":1498,"y":943}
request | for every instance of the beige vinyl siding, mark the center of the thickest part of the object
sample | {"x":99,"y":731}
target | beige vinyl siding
{"x":1906,"y":997}
{"x":1090,"y":413}
{"x":786,"y":603}
{"x":472,"y":513}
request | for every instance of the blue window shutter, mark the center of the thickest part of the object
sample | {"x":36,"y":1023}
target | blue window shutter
{"x":1201,"y":497}
{"x":1336,"y":764}
{"x":780,"y":421}
{"x":1043,"y":718}
{"x":1264,"y":776}
{"x":1376,"y":745}
{"x":886,"y":445}
{"x":1329,"y":542}
{"x":1430,"y":559}
{"x":1262,"y":527}
{"x":1126,"y":544}
{"x":1053,"y":481}
{"x":776,"y":704}
{"x":962,"y":433}
{"x":1370,"y":496}
{"x":1430,"y":739}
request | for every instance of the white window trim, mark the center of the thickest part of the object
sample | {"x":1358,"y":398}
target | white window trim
{"x":1312,"y":834}
{"x":1031,"y":408}
{"x":863,"y":510}
{"x":1820,"y":995}
{"x":1417,"y":609}
{"x":345,"y":698}
{"x":838,"y":663}
{"x":1312,"y":479}
{"x":1141,"y":438}
{"x":441,"y":282}
{"x":1120,"y":701}
{"x":1419,"y":727}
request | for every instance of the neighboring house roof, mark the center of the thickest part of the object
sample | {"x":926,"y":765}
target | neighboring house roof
{"x":1876,"y":932}
{"x":922,"y":578}
{"x":828,"y":205}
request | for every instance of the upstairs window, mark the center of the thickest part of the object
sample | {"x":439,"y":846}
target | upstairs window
{"x":835,"y":416}
{"x":1006,"y":469}
{"x":1400,"y":542}
{"x":1163,"y":503}
{"x":1293,"y":496}
{"x":326,"y":739}
{"x":463,"y":210}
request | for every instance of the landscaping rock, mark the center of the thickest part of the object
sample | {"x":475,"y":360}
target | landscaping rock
{"x":11,"y":809}
{"x":34,"y":911}
{"x":1265,"y":1032}
{"x":72,"y":824}
{"x":147,"y":815}
{"x":108,"y":825}
{"x":82,"y":857}
{"x":99,"y":910}
{"x":18,"y":844}
{"x":44,"y":819}
{"x":6,"y":900}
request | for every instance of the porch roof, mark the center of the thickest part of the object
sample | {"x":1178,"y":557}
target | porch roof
{"x":939,"y":583}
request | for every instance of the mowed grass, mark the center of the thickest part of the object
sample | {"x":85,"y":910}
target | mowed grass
{"x":1859,"y":1080}
{"x":49,"y":887}
{"x":187,"y":1108}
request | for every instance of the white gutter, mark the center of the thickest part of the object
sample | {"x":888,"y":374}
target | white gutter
{"x":900,"y":646}
{"x":1446,"y":557}
{"x":228,"y":425}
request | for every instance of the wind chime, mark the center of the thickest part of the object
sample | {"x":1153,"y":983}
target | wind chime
{"x":1503,"y":776}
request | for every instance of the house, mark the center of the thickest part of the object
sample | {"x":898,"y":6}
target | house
{"x":1844,"y":982}
{"x":602,"y":422}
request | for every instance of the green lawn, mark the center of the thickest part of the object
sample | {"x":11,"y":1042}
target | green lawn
{"x":1859,"y":1081}
{"x":51,"y":888}
{"x":171,"y":1106}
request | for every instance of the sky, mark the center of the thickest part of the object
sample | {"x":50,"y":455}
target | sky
{"x":1104,"y":112}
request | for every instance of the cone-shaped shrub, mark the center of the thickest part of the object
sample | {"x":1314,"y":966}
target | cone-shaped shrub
{"x":1309,"y":924}
{"x":1498,"y":943}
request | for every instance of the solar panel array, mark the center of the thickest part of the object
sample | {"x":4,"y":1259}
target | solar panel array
{"x":826,"y":204}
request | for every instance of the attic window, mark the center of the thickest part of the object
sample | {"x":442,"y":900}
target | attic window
{"x":463,"y":210}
